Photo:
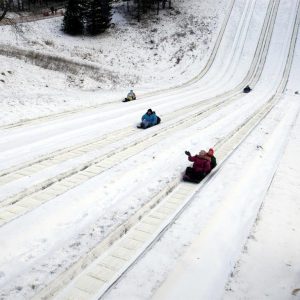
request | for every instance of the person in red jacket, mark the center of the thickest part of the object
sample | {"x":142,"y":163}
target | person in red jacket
{"x":201,"y":167}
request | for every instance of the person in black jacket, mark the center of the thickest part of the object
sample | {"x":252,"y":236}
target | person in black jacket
{"x":247,"y":89}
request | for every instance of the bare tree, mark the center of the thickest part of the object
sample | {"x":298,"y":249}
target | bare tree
{"x":142,"y":7}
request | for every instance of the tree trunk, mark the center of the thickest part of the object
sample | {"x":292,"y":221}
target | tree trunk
{"x":5,"y":10}
{"x":139,"y":11}
{"x":3,"y":15}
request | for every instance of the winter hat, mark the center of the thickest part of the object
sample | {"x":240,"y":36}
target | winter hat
{"x":149,"y":110}
{"x":211,"y":151}
{"x":202,"y":152}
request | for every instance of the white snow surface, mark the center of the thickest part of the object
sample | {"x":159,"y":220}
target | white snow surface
{"x":164,"y":51}
{"x":239,"y":237}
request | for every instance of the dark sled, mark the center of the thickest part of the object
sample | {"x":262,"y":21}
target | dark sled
{"x":127,"y":100}
{"x":186,"y":179}
{"x":196,"y":178}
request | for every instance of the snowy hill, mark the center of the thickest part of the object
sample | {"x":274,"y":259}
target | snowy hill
{"x":92,"y":207}
{"x":72,"y":72}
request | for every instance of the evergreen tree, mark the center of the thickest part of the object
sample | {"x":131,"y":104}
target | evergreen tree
{"x":99,"y":16}
{"x":4,"y":6}
{"x":73,"y":22}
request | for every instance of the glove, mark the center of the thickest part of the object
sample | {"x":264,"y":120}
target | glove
{"x":187,"y":153}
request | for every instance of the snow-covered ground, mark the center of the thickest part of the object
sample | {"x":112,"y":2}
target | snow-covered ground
{"x":164,"y":51}
{"x":42,"y":71}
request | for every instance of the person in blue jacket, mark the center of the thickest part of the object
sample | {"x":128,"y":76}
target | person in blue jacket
{"x":149,"y":119}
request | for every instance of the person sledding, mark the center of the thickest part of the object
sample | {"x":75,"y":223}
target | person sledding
{"x":149,"y":119}
{"x":247,"y":89}
{"x":213,"y":160}
{"x":201,"y":167}
{"x":130,"y":96}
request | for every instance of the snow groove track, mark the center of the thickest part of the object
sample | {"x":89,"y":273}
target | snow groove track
{"x":112,"y":262}
{"x":73,"y":151}
{"x":109,"y":266}
{"x":13,"y":211}
{"x":23,"y":202}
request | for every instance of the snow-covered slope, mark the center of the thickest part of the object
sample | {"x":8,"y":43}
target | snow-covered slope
{"x":71,"y":181}
{"x":166,"y":50}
